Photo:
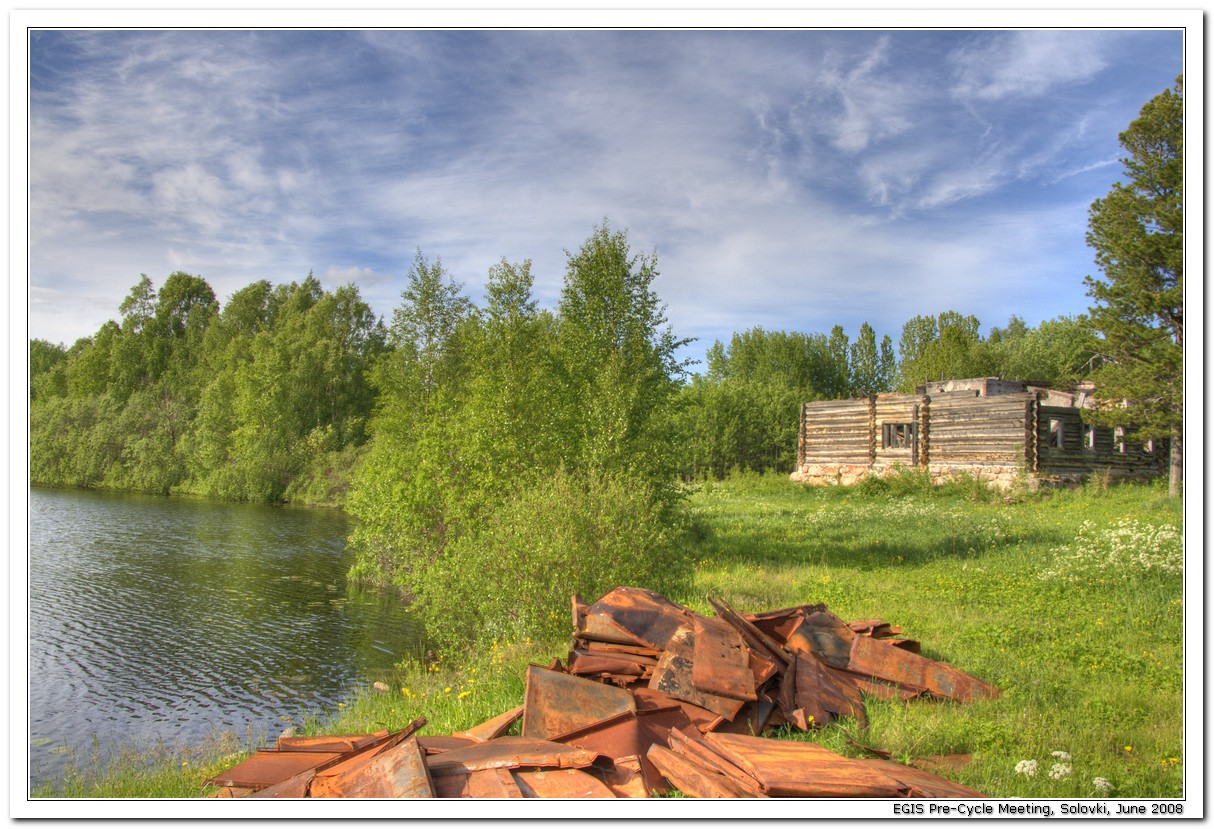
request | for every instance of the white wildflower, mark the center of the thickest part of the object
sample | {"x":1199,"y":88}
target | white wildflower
{"x":1027,"y":767}
{"x":1061,"y":755}
{"x":1059,"y":771}
{"x":1102,"y":784}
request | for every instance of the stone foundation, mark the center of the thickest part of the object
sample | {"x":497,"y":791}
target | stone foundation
{"x":839,"y":474}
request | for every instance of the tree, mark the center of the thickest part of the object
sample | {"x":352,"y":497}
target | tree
{"x":1137,"y":231}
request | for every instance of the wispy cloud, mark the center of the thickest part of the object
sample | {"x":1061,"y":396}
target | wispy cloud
{"x":790,"y":179}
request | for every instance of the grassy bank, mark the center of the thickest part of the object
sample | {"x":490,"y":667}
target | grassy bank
{"x":1018,"y":591}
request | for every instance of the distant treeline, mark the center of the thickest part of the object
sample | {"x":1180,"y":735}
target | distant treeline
{"x":274,"y":396}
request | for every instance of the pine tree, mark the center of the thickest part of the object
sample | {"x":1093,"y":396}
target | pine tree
{"x":1137,"y":231}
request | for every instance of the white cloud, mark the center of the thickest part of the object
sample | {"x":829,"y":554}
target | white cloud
{"x":1027,"y":63}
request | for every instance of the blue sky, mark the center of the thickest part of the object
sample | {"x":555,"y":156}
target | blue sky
{"x":787,"y":179}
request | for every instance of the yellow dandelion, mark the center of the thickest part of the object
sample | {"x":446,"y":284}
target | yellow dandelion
{"x":447,"y":690}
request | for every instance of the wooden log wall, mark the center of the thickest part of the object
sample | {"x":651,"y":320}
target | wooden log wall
{"x":837,"y":431}
{"x":889,"y":410}
{"x":967,"y":430}
{"x":1079,"y":456}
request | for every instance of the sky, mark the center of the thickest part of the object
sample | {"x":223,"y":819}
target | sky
{"x":788,"y":179}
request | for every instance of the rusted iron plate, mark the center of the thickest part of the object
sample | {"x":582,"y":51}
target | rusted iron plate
{"x":785,"y":768}
{"x":633,"y":616}
{"x":557,"y":703}
{"x":630,"y":734}
{"x":823,"y":694}
{"x":762,"y":667}
{"x":921,"y":783}
{"x":492,"y":728}
{"x":652,"y":699}
{"x":230,"y":792}
{"x":582,"y":663}
{"x":698,"y":752}
{"x":396,"y":772}
{"x":875,"y":658}
{"x":292,"y":787}
{"x":267,"y":767}
{"x":508,"y":752}
{"x":624,"y":777}
{"x":331,"y":742}
{"x":351,"y":762}
{"x":453,"y":785}
{"x":720,"y":661}
{"x":594,"y":646}
{"x":752,"y":719}
{"x":755,"y":638}
{"x":579,"y":608}
{"x":691,"y":778}
{"x":493,"y":783}
{"x":561,"y":783}
{"x":438,"y":743}
{"x":824,"y":635}
{"x":673,"y":676}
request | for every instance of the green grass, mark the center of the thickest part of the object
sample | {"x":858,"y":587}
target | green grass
{"x":1089,"y":659}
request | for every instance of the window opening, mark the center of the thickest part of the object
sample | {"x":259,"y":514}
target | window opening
{"x":1055,"y":441}
{"x":897,"y":435}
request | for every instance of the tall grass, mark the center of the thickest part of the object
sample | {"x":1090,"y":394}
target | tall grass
{"x":1090,"y":659}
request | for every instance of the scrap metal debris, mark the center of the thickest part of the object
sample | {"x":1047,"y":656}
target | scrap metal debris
{"x":653,"y":697}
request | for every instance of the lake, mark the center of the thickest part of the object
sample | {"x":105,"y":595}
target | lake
{"x":172,"y":619}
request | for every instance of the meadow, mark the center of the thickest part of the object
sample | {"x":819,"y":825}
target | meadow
{"x":1071,"y":601}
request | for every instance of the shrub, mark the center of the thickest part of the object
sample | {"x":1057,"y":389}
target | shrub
{"x":1126,"y":550}
{"x":512,"y":576}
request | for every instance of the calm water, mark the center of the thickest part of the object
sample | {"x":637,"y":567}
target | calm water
{"x":172,"y":619}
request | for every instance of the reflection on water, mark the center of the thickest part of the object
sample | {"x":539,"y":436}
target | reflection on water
{"x":172,"y":619}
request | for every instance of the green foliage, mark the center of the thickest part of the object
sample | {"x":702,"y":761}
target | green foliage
{"x":945,"y":347}
{"x":480,"y":413}
{"x":551,"y":538}
{"x":1057,"y":353}
{"x":183,"y":397}
{"x":1137,"y":231}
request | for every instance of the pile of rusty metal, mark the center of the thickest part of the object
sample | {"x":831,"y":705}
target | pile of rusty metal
{"x":652,"y":697}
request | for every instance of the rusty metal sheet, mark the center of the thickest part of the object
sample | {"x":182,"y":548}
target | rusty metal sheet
{"x":691,"y":778}
{"x":824,"y":635}
{"x":331,"y":742}
{"x":498,"y":784}
{"x":673,"y":676}
{"x":397,"y":772}
{"x":438,"y":743}
{"x":653,"y":699}
{"x":875,"y":658}
{"x":453,"y":785}
{"x":561,"y":783}
{"x":492,"y":728}
{"x":579,"y":608}
{"x":595,"y":646}
{"x":508,"y":752}
{"x":698,"y":751}
{"x":634,"y":616}
{"x":785,"y":768}
{"x":921,"y":783}
{"x":720,"y":662}
{"x":820,"y":692}
{"x":267,"y":767}
{"x":582,"y":663}
{"x":755,"y":638}
{"x":557,"y":703}
{"x":292,"y":787}
{"x":752,"y":719}
{"x":624,"y":777}
{"x":630,"y":735}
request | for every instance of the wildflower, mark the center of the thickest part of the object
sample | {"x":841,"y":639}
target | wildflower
{"x":406,"y":692}
{"x":1128,"y":748}
{"x":447,"y":690}
{"x":1027,"y":767}
{"x":463,"y":694}
{"x":1102,"y":784}
{"x":1061,"y":755}
{"x":1059,"y":771}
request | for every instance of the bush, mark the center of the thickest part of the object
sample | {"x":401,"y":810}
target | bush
{"x":511,"y":577}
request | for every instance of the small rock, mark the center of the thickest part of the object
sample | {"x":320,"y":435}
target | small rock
{"x":289,"y":732}
{"x":380,"y":688}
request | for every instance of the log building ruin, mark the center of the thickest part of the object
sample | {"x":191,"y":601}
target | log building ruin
{"x":995,"y":430}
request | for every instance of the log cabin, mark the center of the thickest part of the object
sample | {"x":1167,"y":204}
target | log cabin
{"x":1005,"y":432}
